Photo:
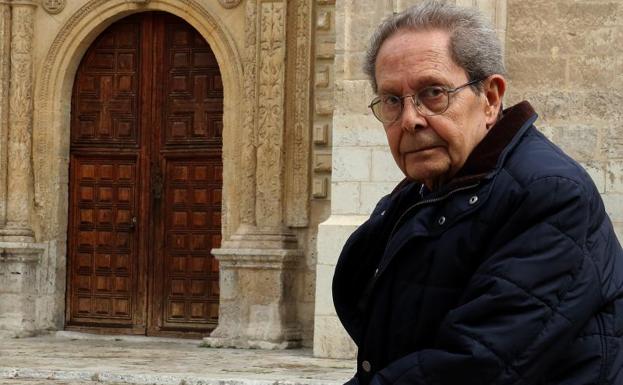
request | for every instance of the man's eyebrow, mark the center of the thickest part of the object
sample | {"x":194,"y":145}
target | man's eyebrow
{"x":429,"y":80}
{"x":424,"y":81}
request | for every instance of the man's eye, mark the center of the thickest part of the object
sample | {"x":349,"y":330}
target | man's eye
{"x":431,"y":92}
{"x":391,"y":100}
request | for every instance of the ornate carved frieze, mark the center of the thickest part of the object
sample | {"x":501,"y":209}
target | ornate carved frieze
{"x":270,"y":115}
{"x":5,"y":50}
{"x":248,"y":155}
{"x":20,"y":184}
{"x":53,"y":6}
{"x":297,"y":146}
{"x":230,"y":3}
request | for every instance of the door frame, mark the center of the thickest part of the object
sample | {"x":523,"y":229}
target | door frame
{"x":147,"y":257}
{"x":56,"y":70}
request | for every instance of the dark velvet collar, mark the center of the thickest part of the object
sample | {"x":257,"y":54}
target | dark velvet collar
{"x":484,"y":158}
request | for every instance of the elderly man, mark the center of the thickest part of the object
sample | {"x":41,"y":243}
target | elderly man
{"x":494,"y":261}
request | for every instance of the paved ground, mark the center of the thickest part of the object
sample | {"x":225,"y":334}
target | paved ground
{"x":70,"y":359}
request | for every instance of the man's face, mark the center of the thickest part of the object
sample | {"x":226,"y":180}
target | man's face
{"x":429,"y":149}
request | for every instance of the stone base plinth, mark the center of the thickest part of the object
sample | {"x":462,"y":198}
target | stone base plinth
{"x":18,"y":292}
{"x":16,"y":234}
{"x":257,"y":304}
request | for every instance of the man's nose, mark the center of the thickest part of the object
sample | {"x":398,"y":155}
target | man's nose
{"x":411,"y":118}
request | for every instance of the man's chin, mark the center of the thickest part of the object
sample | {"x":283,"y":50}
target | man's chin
{"x":430,"y":176}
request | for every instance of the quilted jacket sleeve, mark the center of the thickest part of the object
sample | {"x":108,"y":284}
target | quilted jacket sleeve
{"x":534,"y":290}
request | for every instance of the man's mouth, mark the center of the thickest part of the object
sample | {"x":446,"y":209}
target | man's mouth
{"x":420,"y":149}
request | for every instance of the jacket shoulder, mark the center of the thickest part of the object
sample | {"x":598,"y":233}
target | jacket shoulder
{"x":536,"y":158}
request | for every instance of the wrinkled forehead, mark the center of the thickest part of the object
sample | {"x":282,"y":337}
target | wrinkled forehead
{"x":416,"y":57}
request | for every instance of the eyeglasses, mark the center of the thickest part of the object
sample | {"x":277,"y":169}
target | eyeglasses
{"x":429,"y":101}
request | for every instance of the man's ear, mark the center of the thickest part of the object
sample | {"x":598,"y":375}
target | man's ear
{"x":494,"y":89}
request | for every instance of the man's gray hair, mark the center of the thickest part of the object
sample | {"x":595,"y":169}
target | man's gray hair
{"x":474,"y":45}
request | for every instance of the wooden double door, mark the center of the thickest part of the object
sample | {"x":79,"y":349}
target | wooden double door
{"x":145,"y":181}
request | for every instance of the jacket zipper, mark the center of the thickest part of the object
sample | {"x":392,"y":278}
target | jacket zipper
{"x":425,"y":202}
{"x":362,"y":304}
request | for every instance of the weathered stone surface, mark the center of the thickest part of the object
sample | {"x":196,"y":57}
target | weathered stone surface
{"x":614,"y":176}
{"x":18,"y":273}
{"x":578,"y":140}
{"x":352,"y":164}
{"x":384,"y":168}
{"x":5,"y":44}
{"x":19,"y":184}
{"x":372,"y":192}
{"x":358,"y":130}
{"x":349,"y":196}
{"x":598,"y":173}
{"x":71,"y":358}
{"x":331,"y":339}
{"x":332,"y":235}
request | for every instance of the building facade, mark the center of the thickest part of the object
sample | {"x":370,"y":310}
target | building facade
{"x":193,"y":167}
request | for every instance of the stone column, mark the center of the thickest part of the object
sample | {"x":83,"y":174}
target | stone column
{"x":258,"y":263}
{"x":5,"y":52}
{"x":19,"y":255}
{"x":19,"y":182}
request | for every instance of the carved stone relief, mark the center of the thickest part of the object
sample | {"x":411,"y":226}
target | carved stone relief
{"x":5,"y":44}
{"x":53,"y":6}
{"x":20,"y":257}
{"x":20,"y":184}
{"x":297,"y":173}
{"x":249,"y":142}
{"x":270,"y":114}
{"x":262,"y":250}
{"x":230,"y":3}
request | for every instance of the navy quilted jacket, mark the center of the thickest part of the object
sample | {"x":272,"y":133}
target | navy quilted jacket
{"x":510,"y":274}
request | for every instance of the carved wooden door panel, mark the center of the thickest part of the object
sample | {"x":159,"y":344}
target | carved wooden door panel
{"x":188,"y":221}
{"x":145,"y":181}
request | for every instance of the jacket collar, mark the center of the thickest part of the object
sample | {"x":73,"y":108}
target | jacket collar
{"x":485,"y":156}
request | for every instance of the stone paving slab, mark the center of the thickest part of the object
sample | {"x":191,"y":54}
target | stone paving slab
{"x":73,"y":359}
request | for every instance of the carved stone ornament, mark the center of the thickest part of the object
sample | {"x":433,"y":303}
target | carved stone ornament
{"x":230,"y":3}
{"x":53,"y":6}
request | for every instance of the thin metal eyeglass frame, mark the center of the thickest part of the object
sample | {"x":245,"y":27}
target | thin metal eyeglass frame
{"x":417,"y":103}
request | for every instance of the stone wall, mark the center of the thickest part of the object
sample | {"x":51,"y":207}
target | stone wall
{"x":565,"y":58}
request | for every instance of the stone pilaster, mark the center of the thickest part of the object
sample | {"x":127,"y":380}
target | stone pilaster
{"x":19,"y":181}
{"x":258,"y":263}
{"x":5,"y":52}
{"x":19,"y":256}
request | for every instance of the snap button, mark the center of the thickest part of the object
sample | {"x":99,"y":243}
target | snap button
{"x":376,"y":272}
{"x":441,"y":220}
{"x":366,"y":366}
{"x":383,"y":212}
{"x":473,"y":200}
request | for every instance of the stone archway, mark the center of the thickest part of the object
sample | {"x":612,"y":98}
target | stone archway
{"x":52,"y":121}
{"x":266,"y":150}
